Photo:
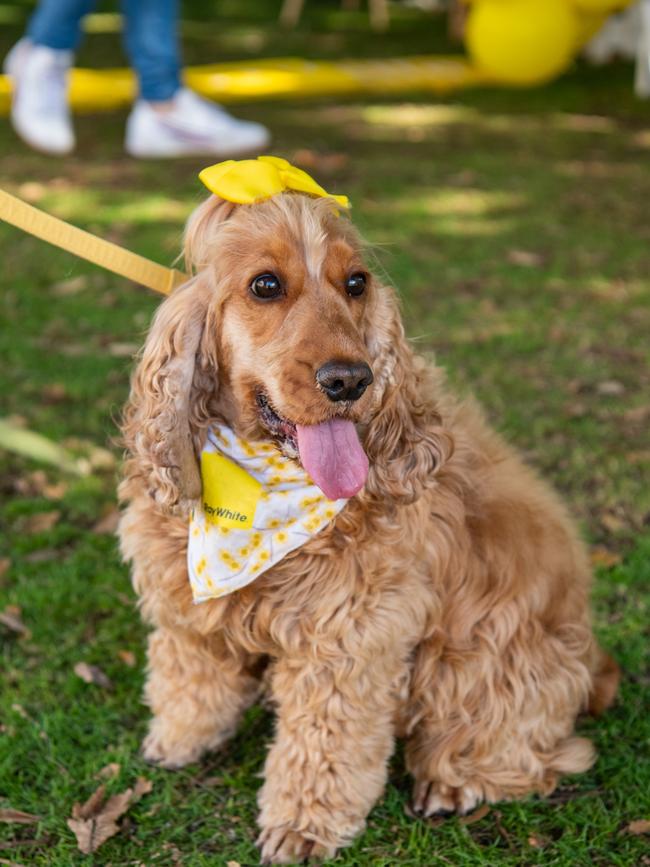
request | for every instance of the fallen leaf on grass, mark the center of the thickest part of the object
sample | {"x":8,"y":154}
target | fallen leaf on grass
{"x":10,"y":618}
{"x":638,"y":414}
{"x":175,"y":857}
{"x":74,"y":350}
{"x":42,"y":555}
{"x":100,"y":459}
{"x":122,"y":350}
{"x":476,"y":816}
{"x":15,"y":438}
{"x":20,"y":710}
{"x":70,"y":287}
{"x":109,"y":771}
{"x":601,"y":556}
{"x":55,"y":490}
{"x":638,"y":457}
{"x":30,"y":484}
{"x":142,"y":787}
{"x":5,"y":563}
{"x":233,"y":864}
{"x":37,"y":484}
{"x":611,"y":521}
{"x":18,"y":817}
{"x":639,"y":826}
{"x":41,"y":522}
{"x":576,"y":410}
{"x":92,"y":674}
{"x":95,"y":821}
{"x":610,"y":388}
{"x":525,"y":258}
{"x":54,"y":392}
{"x":536,"y":842}
{"x":127,"y":657}
{"x":107,"y":524}
{"x":32,"y":191}
{"x":107,"y":299}
{"x":321,"y":162}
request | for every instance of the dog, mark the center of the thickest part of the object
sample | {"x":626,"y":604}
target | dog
{"x":447,"y":603}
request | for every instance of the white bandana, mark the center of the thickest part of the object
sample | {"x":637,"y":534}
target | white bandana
{"x":257,"y":506}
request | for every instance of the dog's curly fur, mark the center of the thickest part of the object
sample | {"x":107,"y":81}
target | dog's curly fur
{"x":446,"y":604}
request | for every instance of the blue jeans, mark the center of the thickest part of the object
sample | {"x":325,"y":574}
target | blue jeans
{"x":150,"y":38}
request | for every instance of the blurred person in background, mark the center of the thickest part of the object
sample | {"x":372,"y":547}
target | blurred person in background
{"x":167,"y":119}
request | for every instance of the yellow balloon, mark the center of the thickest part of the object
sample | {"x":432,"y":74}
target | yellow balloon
{"x":604,"y":6}
{"x":589,"y":23}
{"x":522,"y":41}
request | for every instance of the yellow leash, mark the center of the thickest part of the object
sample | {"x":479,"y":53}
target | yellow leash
{"x":103,"y":253}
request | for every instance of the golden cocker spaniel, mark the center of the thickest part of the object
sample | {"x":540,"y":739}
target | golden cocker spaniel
{"x":447,"y":603}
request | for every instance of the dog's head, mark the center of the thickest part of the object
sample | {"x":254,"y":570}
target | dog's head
{"x":286,"y":335}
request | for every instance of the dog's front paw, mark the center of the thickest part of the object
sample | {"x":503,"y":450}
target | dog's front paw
{"x":156,"y":752}
{"x":283,"y":846}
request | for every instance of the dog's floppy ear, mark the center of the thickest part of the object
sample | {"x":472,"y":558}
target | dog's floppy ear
{"x":406,"y":442}
{"x":162,"y":418}
{"x":156,"y":423}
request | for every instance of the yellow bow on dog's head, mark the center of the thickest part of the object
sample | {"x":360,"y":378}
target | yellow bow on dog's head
{"x":249,"y":181}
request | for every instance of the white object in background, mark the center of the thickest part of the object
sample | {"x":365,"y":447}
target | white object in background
{"x":642,"y":78}
{"x":190,"y":127}
{"x":626,"y":35}
{"x":617,"y":38}
{"x":39,"y":108}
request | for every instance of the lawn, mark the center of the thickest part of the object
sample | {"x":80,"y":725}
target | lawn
{"x":515,"y":225}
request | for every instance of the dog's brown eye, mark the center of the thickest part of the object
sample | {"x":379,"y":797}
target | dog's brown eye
{"x":266,"y":286}
{"x":355,"y":284}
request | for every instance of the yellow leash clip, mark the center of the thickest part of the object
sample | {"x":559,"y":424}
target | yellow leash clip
{"x":96,"y":250}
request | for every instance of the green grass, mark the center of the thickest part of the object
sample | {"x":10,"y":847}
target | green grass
{"x":556,"y":348}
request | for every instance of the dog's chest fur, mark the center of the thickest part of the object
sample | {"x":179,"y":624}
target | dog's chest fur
{"x":343,"y":589}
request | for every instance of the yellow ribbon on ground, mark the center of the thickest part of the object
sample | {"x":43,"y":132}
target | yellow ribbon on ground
{"x":96,"y":250}
{"x":94,"y":90}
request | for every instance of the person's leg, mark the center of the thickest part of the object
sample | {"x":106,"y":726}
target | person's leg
{"x":168,"y":119}
{"x":57,"y":23}
{"x":151,"y":40}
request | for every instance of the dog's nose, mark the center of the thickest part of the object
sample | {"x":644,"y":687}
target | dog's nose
{"x":342,"y":381}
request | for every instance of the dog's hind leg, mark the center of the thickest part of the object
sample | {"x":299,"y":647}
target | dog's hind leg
{"x":491,"y":726}
{"x":197,"y":691}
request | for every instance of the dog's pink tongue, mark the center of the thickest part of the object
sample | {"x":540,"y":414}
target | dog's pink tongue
{"x":332,"y":455}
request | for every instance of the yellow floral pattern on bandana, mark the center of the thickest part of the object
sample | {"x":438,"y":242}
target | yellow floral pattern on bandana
{"x":257,"y":505}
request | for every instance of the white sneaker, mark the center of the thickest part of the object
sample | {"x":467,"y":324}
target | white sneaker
{"x":39,"y":108}
{"x":192,"y":126}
